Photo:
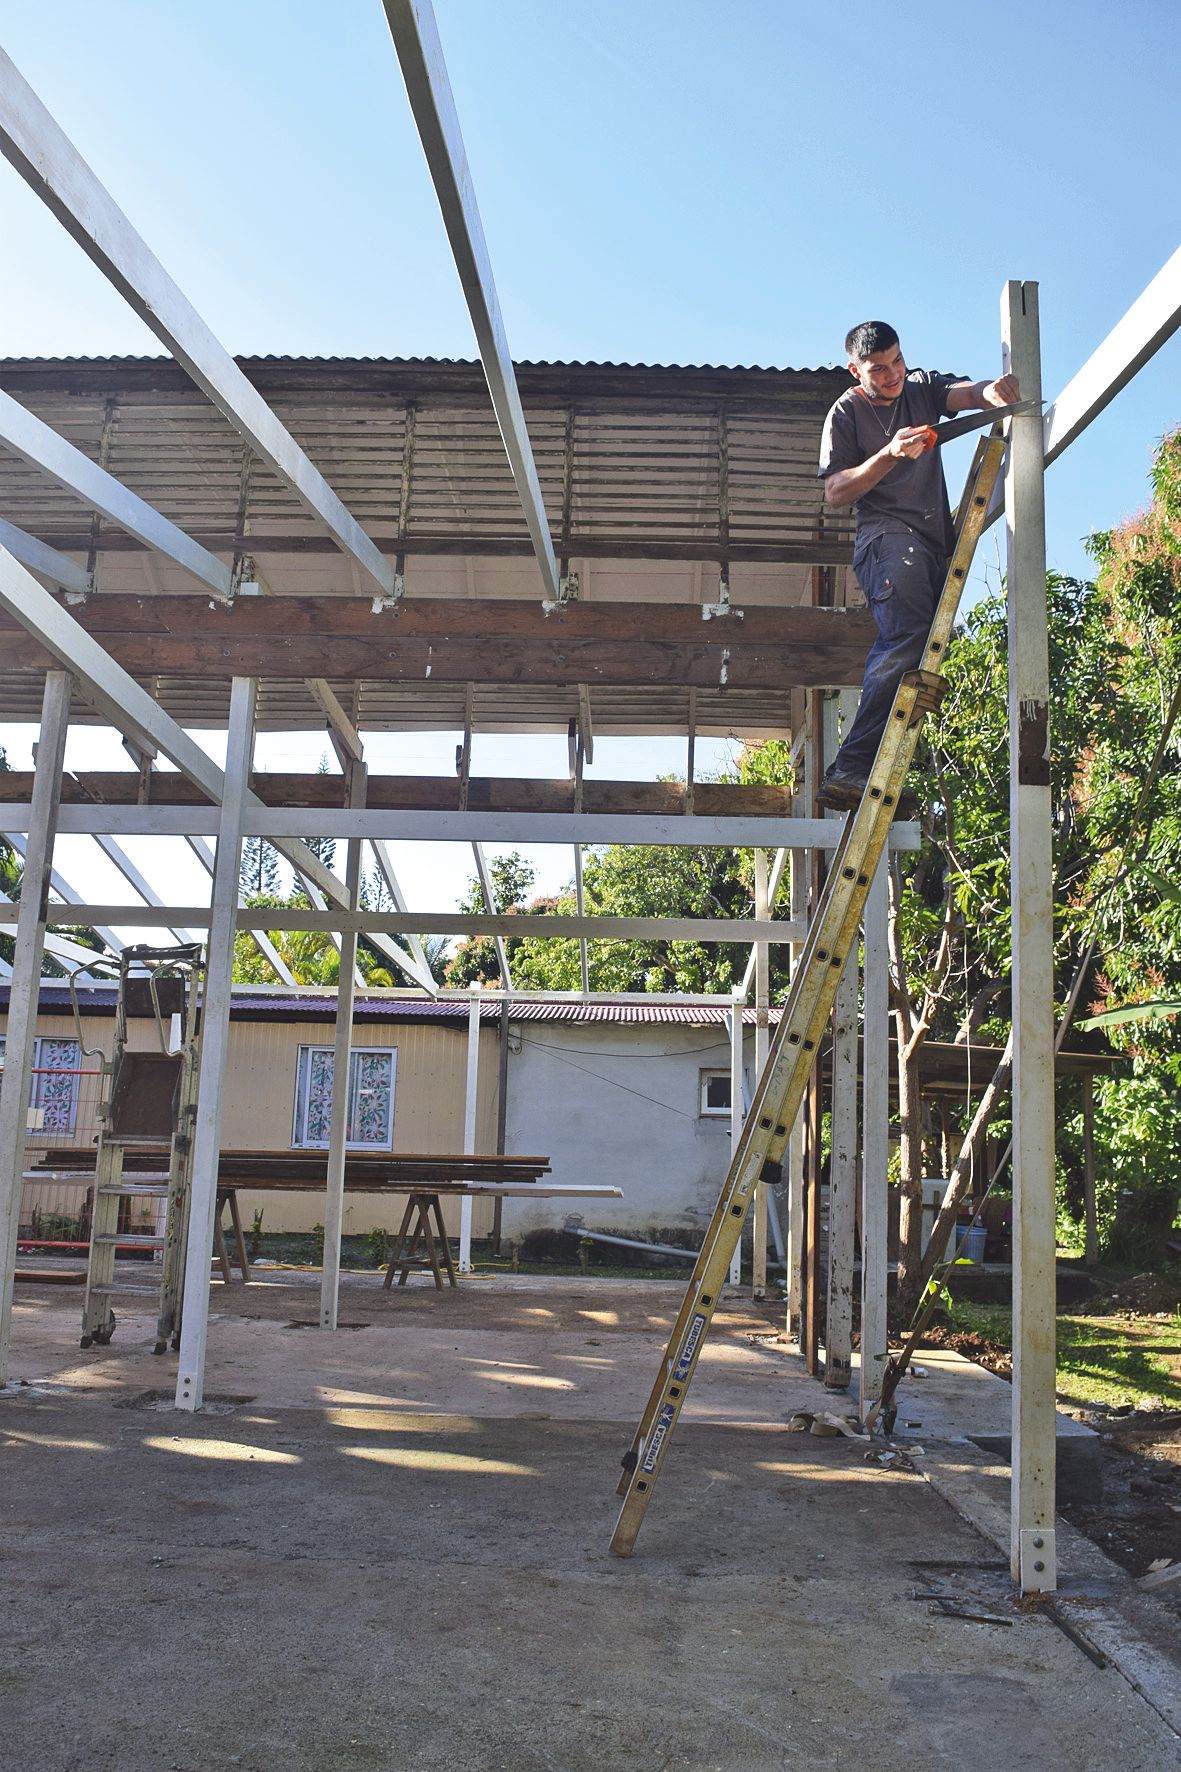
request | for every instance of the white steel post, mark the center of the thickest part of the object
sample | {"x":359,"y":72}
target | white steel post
{"x":842,"y":1168}
{"x":795,"y":1148}
{"x":25,"y":989}
{"x":1034,"y":1421}
{"x":762,"y":993}
{"x":342,"y":1061}
{"x":842,"y":1183}
{"x":736,"y":1114}
{"x":215,"y":1036}
{"x":469,"y":1126}
{"x":875,"y":1147}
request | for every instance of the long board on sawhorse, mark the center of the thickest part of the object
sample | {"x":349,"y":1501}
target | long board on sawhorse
{"x":832,"y":937}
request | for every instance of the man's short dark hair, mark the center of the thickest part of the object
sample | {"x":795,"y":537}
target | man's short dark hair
{"x":867,"y":338}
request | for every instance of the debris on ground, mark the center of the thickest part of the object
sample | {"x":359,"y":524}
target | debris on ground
{"x":826,"y":1424}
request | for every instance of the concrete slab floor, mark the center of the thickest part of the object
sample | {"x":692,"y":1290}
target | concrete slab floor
{"x":387,"y":1548}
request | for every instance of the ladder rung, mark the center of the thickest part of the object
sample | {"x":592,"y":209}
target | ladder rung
{"x":131,"y":1240}
{"x":155,"y":1186}
{"x":147,"y":1144}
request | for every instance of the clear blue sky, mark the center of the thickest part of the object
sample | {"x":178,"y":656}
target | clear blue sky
{"x":664,"y":181}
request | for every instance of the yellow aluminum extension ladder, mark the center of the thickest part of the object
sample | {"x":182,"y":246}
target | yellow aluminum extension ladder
{"x":831,"y":938}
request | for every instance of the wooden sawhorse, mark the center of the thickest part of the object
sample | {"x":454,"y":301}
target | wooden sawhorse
{"x":419,"y":1250}
{"x":228,"y":1196}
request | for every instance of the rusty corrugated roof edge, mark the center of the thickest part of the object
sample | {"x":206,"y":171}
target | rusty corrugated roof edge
{"x":472,"y":363}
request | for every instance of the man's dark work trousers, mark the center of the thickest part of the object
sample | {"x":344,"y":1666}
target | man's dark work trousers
{"x":902,"y":578}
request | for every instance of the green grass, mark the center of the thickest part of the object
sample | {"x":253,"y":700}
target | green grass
{"x":1109,"y":1361}
{"x":1102,"y":1361}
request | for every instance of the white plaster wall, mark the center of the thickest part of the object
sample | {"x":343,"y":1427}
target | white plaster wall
{"x":618,"y":1104}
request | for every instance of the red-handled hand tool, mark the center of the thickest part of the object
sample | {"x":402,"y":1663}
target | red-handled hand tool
{"x":971,"y":421}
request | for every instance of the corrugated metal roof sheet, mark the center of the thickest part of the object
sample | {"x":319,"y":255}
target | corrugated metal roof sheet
{"x":448,"y":362}
{"x":281,"y":1005}
{"x":650,"y":474}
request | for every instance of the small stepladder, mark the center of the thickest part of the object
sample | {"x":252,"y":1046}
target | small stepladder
{"x":831,"y":938}
{"x":149,"y":1103}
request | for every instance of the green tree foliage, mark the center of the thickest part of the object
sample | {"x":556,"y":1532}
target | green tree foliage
{"x":645,"y":881}
{"x":258,"y":873}
{"x":1115,"y":667}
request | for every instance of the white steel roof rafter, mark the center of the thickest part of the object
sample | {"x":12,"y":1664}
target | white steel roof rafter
{"x":131,"y":710}
{"x":39,"y":445}
{"x":48,"y":161}
{"x":416,"y":39}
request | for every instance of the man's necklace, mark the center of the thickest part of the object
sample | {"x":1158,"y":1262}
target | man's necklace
{"x":886,"y":425}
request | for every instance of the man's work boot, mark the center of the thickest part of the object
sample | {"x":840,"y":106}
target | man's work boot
{"x":844,"y":792}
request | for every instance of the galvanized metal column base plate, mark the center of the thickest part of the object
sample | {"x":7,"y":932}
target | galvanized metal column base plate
{"x":1038,"y":1559}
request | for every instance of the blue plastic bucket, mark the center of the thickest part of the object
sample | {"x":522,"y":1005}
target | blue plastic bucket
{"x":970,"y":1243}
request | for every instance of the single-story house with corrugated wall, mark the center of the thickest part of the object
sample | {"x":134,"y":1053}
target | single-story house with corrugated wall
{"x":630,"y":1093}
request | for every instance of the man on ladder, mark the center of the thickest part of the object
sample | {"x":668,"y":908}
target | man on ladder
{"x":878,"y":452}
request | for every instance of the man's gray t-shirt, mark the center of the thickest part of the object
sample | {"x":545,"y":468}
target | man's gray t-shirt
{"x":913,"y":495}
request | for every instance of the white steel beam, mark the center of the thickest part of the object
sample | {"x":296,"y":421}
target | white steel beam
{"x":343,"y":733}
{"x":386,"y":824}
{"x":25,"y":990}
{"x":39,"y":557}
{"x":1033,"y":1403}
{"x":342,"y":1053}
{"x":132,"y":875}
{"x":737,"y":1114}
{"x":48,"y":161}
{"x":580,"y":907}
{"x":875,"y":1145}
{"x":1133,"y":341}
{"x":261,"y":940}
{"x":774,"y":882}
{"x":842,"y":1168}
{"x":130,"y":710}
{"x":490,"y":908}
{"x":59,"y":884}
{"x":62,"y":948}
{"x":416,"y":39}
{"x":470,"y":1102}
{"x":424,"y":975}
{"x":25,"y":435}
{"x":1151,"y":320}
{"x":331,"y":920}
{"x":215,"y":1032}
{"x":842,"y":1184}
{"x":760,"y":959}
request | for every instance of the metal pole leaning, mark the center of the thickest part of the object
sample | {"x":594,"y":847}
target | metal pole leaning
{"x":831,"y":939}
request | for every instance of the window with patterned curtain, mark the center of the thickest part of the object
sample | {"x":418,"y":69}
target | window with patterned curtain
{"x":55,"y":1085}
{"x":371,"y":1097}
{"x":53,"y":1088}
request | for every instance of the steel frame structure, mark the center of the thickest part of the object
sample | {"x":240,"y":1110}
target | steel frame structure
{"x":41,"y":153}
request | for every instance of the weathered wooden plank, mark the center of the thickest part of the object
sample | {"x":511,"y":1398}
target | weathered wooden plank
{"x":422,"y":793}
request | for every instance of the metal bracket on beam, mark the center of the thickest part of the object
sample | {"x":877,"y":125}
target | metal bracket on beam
{"x":568,"y":590}
{"x":690,"y":758}
{"x":723,"y":606}
{"x":78,"y":584}
{"x":399,"y":586}
{"x":463,"y":752}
